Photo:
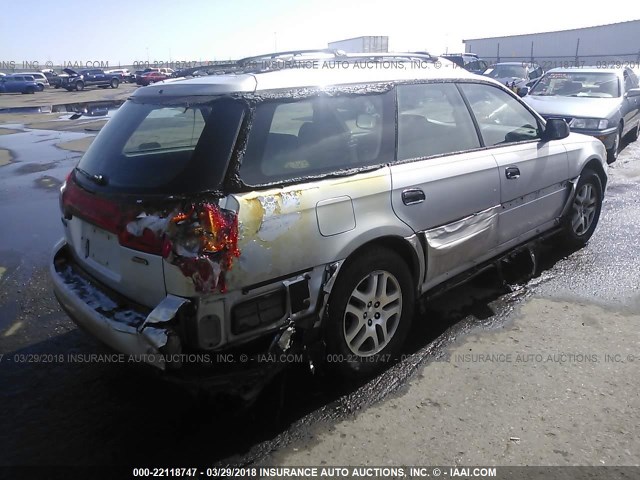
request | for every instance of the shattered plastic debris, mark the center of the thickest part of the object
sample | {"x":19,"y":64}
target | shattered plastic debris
{"x":156,"y":224}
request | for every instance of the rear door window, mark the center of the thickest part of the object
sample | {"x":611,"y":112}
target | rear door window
{"x":317,"y":135}
{"x":433,"y":120}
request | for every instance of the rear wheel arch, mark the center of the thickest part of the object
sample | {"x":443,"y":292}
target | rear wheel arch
{"x":396,"y":244}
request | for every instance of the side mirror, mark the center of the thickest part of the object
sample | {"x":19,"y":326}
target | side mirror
{"x":556,"y":129}
{"x":523,"y":91}
{"x":633,"y":92}
{"x":365,"y":121}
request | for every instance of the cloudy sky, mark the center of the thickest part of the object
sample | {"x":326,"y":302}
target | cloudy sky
{"x":124,"y":31}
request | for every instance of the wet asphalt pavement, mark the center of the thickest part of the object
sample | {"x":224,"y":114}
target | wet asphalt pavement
{"x":57,"y":412}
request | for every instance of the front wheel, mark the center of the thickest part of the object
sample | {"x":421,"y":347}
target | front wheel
{"x":79,"y":86}
{"x":582,"y":218}
{"x":370,"y":312}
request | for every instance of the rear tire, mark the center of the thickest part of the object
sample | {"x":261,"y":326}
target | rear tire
{"x":40,"y":87}
{"x":114,"y":83}
{"x":79,"y":86}
{"x":370,"y":311}
{"x":582,"y":218}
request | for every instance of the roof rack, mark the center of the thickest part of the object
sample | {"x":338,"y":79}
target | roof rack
{"x":460,"y":54}
{"x":284,"y":60}
{"x":392,"y":56}
{"x":291,"y":55}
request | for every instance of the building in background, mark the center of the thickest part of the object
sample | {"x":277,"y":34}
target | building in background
{"x":600,"y":45}
{"x":368,"y":44}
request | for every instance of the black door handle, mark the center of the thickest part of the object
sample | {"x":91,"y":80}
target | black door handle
{"x":411,"y":196}
{"x":512,"y":173}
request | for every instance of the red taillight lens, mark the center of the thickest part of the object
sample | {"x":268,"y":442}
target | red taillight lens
{"x":109,"y":215}
{"x":148,"y":242}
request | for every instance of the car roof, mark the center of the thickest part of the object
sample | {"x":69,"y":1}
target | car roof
{"x":334,"y":73}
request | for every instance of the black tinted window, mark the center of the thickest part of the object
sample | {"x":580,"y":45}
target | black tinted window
{"x":165,"y":148}
{"x":501,"y":118}
{"x":317,"y":135}
{"x":432,"y":120}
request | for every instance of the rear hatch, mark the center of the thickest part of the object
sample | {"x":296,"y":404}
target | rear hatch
{"x":150,"y":162}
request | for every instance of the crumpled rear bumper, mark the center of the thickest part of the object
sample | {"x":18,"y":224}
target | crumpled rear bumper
{"x":147,"y":334}
{"x":126,"y":328}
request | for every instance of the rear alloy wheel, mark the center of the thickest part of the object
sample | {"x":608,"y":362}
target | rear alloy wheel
{"x":612,"y":153}
{"x":79,"y":86}
{"x":114,"y":83}
{"x":370,"y":311}
{"x":40,"y":87}
{"x":583,"y":216}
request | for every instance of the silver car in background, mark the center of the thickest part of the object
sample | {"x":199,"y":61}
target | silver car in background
{"x":283,"y":209}
{"x":604,"y":103}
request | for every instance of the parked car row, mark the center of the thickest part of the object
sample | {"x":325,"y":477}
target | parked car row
{"x":18,"y":83}
{"x":604,"y":103}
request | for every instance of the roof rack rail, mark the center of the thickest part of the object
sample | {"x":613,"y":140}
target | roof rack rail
{"x":469,"y":54}
{"x":392,"y":55}
{"x":290,"y":54}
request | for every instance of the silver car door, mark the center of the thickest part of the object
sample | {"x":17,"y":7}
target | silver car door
{"x":533,"y":173}
{"x":444,"y":186}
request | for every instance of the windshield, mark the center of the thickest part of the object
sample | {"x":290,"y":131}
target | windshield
{"x":506,"y":71}
{"x":168,"y":148}
{"x":578,"y":84}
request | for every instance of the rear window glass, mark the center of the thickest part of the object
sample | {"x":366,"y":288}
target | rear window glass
{"x":173,"y":147}
{"x":317,"y":135}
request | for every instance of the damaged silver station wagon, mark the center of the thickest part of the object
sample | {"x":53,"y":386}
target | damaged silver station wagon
{"x":280,"y":209}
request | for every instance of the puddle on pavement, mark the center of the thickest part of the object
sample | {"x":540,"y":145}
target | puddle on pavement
{"x":88,"y":109}
{"x":29,"y":188}
{"x":26,"y":168}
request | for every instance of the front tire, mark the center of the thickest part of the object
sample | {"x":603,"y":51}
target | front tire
{"x":79,"y":86}
{"x":370,"y":312}
{"x":582,"y":218}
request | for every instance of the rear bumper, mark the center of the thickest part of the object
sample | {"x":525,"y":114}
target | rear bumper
{"x":103,"y":314}
{"x":148,"y":335}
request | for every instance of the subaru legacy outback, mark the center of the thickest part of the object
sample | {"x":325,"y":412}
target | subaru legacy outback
{"x":280,"y":209}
